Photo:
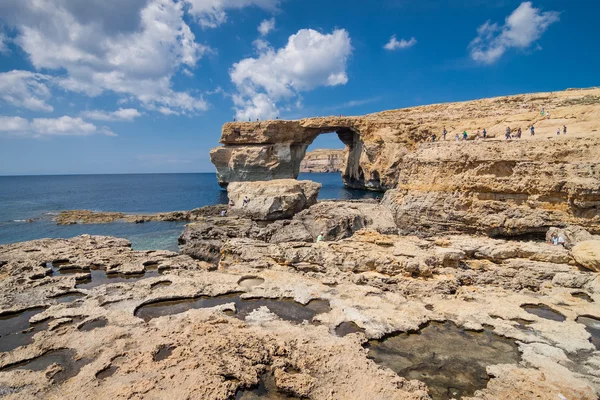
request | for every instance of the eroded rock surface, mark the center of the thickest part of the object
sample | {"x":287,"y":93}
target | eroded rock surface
{"x":376,"y":144}
{"x":323,"y":161}
{"x":498,"y":188}
{"x":334,"y":220}
{"x":69,"y":217}
{"x":272,"y":200}
{"x":382,"y":284}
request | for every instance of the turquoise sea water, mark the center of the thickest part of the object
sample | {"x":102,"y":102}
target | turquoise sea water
{"x":41,"y":197}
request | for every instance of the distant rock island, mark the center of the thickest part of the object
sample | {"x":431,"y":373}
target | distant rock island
{"x":323,"y":160}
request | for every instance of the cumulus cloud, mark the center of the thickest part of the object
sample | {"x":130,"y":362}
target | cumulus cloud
{"x":26,"y":89}
{"x":309,"y":59}
{"x":131,"y":48}
{"x":266,"y":26}
{"x":45,"y":127}
{"x":395,"y":44}
{"x":521,"y":29}
{"x":122,"y":114}
{"x":211,"y":13}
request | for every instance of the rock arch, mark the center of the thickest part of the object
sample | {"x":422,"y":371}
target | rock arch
{"x":254,"y":151}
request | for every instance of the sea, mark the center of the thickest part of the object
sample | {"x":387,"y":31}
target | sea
{"x":29,"y":204}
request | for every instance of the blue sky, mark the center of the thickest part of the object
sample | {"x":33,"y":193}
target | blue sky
{"x":124,"y":86}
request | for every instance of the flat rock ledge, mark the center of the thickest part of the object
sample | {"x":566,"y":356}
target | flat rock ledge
{"x":383,"y":283}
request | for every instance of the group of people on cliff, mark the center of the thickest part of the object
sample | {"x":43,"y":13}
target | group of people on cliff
{"x":508,"y":135}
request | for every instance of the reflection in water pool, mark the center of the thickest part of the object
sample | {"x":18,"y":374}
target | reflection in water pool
{"x":63,"y":357}
{"x":592,"y":325}
{"x":543,"y":311}
{"x":450,"y":360}
{"x":286,"y":309}
{"x":266,"y":390}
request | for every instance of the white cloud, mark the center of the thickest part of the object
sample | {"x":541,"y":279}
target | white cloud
{"x":310,"y":59}
{"x":266,"y":26}
{"x":44,"y":127}
{"x":122,"y":114}
{"x":25,"y":89}
{"x":259,"y":106}
{"x":520,"y":30}
{"x":211,"y":13}
{"x":3,"y":40}
{"x":394,"y":44}
{"x":131,"y":48}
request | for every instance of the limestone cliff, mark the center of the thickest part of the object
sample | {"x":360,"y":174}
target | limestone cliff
{"x":499,"y":188}
{"x":323,"y":160}
{"x":376,"y":144}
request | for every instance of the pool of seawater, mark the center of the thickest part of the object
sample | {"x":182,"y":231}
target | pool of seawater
{"x":70,"y":366}
{"x":450,"y":360}
{"x":266,"y":390}
{"x":592,"y":325}
{"x":285,"y":308}
{"x":543,"y":311}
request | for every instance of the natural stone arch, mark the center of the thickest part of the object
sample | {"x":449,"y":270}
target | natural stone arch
{"x":274,"y":150}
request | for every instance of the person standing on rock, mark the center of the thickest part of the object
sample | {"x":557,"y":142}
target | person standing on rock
{"x":320,"y":238}
{"x":433,"y":137}
{"x":465,"y":135}
{"x":507,"y":135}
{"x":456,"y":137}
{"x":558,"y":132}
{"x":444,"y":133}
{"x":564,"y":129}
{"x":519,"y":132}
{"x":246,"y":201}
{"x":484,"y":133}
{"x":532,"y":130}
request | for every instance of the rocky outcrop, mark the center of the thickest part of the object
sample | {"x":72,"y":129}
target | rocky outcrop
{"x":212,"y":337}
{"x":323,"y":160}
{"x":498,"y":188}
{"x":70,"y":217}
{"x":376,"y":144}
{"x":334,"y":220}
{"x":268,"y":201}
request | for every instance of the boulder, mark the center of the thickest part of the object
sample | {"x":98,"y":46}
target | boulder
{"x":587,"y":254}
{"x":337,"y":220}
{"x":272,"y":200}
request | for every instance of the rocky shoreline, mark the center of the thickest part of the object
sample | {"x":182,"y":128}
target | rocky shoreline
{"x":227,"y":312}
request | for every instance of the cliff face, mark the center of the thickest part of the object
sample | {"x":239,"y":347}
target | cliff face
{"x":499,"y":188}
{"x":323,"y":160}
{"x":376,"y":144}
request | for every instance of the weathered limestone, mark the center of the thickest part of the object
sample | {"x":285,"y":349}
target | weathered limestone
{"x":70,"y":217}
{"x":334,"y":220}
{"x":587,"y":254}
{"x":381,"y":283}
{"x":377,"y":143}
{"x":323,"y":160}
{"x":498,"y":188}
{"x":276,"y":199}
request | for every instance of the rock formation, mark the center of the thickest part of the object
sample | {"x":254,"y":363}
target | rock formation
{"x":276,"y":199}
{"x":498,"y":188}
{"x":96,"y":344}
{"x":323,"y":160}
{"x":334,"y":220}
{"x":70,"y":217}
{"x":376,"y":144}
